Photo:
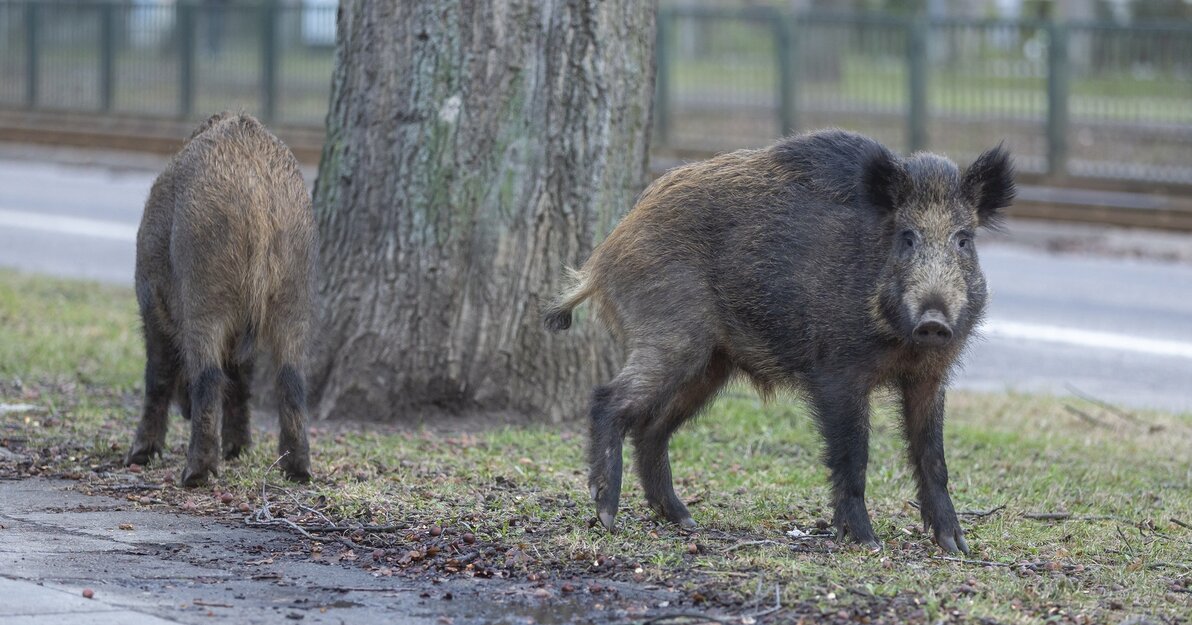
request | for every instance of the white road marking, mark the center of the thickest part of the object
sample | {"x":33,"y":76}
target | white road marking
{"x":1086,"y":338}
{"x":79,"y":226}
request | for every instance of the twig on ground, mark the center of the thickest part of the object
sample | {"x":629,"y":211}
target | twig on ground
{"x":1086,"y":416}
{"x":375,"y":529}
{"x":749,"y":543}
{"x":694,"y":617}
{"x":263,"y":516}
{"x":1104,"y":404}
{"x":981,"y":513}
{"x":1048,"y":516}
{"x":967,"y":561}
{"x":210,"y":604}
{"x":1181,"y":523}
{"x":1122,"y":535}
{"x":361,"y":589}
{"x":141,"y":486}
{"x":768,"y":611}
{"x":1068,"y":516}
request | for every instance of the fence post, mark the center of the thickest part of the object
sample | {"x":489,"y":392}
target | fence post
{"x":788,"y":102}
{"x":186,"y":58}
{"x":107,"y":56}
{"x":1057,"y":100}
{"x":31,"y":51}
{"x":916,"y":51}
{"x":269,"y":16}
{"x":662,"y":70}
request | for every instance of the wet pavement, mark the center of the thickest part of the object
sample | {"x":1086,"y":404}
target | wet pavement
{"x":148,"y":567}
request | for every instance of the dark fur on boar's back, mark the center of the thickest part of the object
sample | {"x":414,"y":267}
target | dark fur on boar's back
{"x":225,"y":260}
{"x":825,"y":264}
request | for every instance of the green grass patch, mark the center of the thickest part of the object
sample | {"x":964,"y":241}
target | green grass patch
{"x":749,"y":470}
{"x":53,"y":328}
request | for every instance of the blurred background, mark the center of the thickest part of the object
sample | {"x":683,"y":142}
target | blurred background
{"x":1093,"y":97}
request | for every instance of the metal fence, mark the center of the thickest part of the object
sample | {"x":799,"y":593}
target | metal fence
{"x":1071,"y":100}
{"x":167,"y":59}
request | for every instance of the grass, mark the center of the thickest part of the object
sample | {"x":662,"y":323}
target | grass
{"x":751,"y":471}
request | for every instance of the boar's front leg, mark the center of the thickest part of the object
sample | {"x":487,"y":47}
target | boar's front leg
{"x":923,"y":420}
{"x":842,"y":410}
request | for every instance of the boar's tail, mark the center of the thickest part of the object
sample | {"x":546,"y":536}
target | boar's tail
{"x":557,"y":316}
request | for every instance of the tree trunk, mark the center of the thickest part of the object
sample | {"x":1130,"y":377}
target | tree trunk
{"x":475,"y":149}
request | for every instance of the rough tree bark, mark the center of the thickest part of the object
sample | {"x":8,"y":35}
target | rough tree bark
{"x":475,"y":149}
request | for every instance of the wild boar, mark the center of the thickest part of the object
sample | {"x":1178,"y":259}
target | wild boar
{"x":825,"y":264}
{"x":225,"y":262}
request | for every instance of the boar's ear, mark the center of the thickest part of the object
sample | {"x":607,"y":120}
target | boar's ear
{"x":988,"y":184}
{"x":884,"y":181}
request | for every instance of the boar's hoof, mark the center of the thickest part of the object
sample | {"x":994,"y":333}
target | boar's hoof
{"x":197,"y":473}
{"x":141,"y":454}
{"x":687,"y":523}
{"x":608,"y":520}
{"x":231,"y":452}
{"x":952,"y":541}
{"x":296,"y":468}
{"x":299,"y":476}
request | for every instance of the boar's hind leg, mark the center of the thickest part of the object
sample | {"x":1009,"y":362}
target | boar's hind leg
{"x":652,"y":441}
{"x":162,"y":364}
{"x":206,"y":394}
{"x":291,"y":412}
{"x":236,"y":435}
{"x":634,"y":398}
{"x":923,"y":421}
{"x":842,"y":410}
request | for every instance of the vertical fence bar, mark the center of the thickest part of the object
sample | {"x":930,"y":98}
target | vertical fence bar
{"x":184,"y":17}
{"x":784,"y":36}
{"x":916,"y":51}
{"x":1057,"y":100}
{"x":31,"y":51}
{"x":269,"y":16}
{"x":107,"y":55}
{"x":662,"y":79}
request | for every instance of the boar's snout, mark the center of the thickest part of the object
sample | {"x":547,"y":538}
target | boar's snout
{"x":933,"y":329}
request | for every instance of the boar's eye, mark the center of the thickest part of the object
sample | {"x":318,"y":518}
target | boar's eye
{"x":964,"y":241}
{"x":908,"y":239}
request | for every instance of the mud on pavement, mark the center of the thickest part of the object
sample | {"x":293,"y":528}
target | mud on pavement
{"x":189,"y":568}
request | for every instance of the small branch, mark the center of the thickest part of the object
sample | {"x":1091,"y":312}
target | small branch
{"x":141,"y":486}
{"x":1048,"y":516}
{"x":777,"y":605}
{"x":751,"y":543}
{"x":696,"y":618}
{"x":1068,"y":516}
{"x":1086,"y":416}
{"x":362,"y":589}
{"x":1125,"y":540}
{"x":1104,"y":404}
{"x":975,"y":562}
{"x":1181,"y":523}
{"x":210,"y":604}
{"x":977,"y":514}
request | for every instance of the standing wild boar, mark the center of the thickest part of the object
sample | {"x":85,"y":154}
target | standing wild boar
{"x":824,"y":263}
{"x":225,"y":260}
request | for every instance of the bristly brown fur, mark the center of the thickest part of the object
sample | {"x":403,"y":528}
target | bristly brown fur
{"x":813,"y":265}
{"x":225,"y":261}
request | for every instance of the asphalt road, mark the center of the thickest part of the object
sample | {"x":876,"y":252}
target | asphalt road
{"x":1117,"y":328}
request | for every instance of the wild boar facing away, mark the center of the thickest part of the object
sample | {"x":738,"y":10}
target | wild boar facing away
{"x":225,"y":260}
{"x":824,"y":263}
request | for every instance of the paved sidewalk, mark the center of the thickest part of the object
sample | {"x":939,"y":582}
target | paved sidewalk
{"x":150,"y":567}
